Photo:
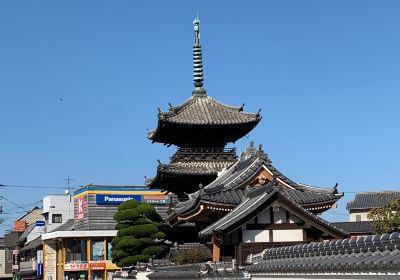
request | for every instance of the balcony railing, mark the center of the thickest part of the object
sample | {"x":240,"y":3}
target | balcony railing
{"x":190,"y":153}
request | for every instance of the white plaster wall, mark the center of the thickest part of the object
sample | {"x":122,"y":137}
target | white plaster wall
{"x":284,"y":235}
{"x":33,"y":235}
{"x":58,"y":204}
{"x":257,"y":235}
{"x":364,"y":216}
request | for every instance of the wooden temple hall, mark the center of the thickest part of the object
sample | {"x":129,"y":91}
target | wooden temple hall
{"x":243,"y":204}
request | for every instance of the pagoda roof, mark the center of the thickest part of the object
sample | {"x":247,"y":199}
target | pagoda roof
{"x":229,"y":187}
{"x":194,"y":167}
{"x":260,"y":198}
{"x":202,"y":110}
{"x":198,"y":171}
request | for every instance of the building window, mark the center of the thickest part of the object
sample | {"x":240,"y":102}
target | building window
{"x":358,"y":218}
{"x":97,"y":275}
{"x":56,"y":218}
{"x":75,"y":250}
{"x":109,"y":249}
{"x":97,"y":253}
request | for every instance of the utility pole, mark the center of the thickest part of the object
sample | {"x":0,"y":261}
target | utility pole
{"x":68,"y":180}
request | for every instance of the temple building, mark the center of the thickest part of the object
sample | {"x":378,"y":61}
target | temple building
{"x":241,"y":205}
{"x":201,"y":128}
{"x":252,"y":206}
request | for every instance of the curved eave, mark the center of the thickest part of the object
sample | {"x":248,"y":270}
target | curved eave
{"x":198,"y":209}
{"x":162,"y":134}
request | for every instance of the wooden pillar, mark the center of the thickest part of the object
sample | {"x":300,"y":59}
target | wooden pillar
{"x":217,"y":242}
{"x":89,"y":256}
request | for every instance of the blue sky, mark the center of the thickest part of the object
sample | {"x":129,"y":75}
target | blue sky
{"x":324,"y":73}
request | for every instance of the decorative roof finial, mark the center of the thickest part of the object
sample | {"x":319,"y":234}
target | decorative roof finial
{"x":197,"y":60}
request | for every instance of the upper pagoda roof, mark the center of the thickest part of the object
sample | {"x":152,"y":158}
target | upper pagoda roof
{"x":199,"y":120}
{"x":201,"y":109}
{"x":206,"y":113}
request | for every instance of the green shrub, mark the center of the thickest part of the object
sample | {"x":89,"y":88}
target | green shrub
{"x":154,"y":251}
{"x":197,"y":255}
{"x":132,"y":260}
{"x":138,"y":230}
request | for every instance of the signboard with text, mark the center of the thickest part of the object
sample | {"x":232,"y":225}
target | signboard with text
{"x":97,"y":266}
{"x":116,"y":199}
{"x":156,"y":199}
{"x":80,"y":213}
{"x":75,"y":266}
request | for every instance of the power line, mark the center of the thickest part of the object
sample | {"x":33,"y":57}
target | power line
{"x":31,"y":187}
{"x":3,"y":197}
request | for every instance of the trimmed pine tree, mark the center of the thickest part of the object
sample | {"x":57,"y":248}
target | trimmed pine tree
{"x":139,"y":237}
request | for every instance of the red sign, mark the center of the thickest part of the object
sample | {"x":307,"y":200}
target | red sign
{"x":159,"y":197}
{"x":98,"y":266}
{"x":81,"y":208}
{"x":75,"y":266}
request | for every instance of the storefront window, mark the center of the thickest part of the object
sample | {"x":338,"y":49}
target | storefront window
{"x":109,"y":249}
{"x":97,"y":249}
{"x":76,"y":275}
{"x":75,"y":250}
{"x":97,"y":274}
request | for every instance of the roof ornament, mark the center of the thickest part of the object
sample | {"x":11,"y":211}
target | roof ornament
{"x":250,"y":152}
{"x":262,"y":154}
{"x":197,"y":60}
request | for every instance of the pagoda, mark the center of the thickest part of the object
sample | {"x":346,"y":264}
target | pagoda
{"x":200,"y":128}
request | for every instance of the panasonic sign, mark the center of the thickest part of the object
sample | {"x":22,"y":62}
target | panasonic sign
{"x":116,"y":199}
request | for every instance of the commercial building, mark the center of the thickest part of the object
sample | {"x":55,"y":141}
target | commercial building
{"x":82,"y":248}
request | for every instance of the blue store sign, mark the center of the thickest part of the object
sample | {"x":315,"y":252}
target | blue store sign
{"x":116,"y":199}
{"x":39,"y":271}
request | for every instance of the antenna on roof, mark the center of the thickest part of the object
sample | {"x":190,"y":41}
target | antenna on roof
{"x":68,"y":180}
{"x":197,"y":60}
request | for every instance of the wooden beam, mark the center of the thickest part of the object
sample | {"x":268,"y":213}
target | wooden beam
{"x":216,"y":251}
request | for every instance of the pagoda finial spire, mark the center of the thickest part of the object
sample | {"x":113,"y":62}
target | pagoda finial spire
{"x":197,"y":60}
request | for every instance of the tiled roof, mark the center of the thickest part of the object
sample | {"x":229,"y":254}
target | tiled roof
{"x":228,"y":188}
{"x":68,"y":225}
{"x":309,"y":197}
{"x":32,"y":216}
{"x":379,"y":252}
{"x":194,"y":167}
{"x":260,"y":197}
{"x":202,"y":120}
{"x":25,"y":234}
{"x":248,"y":165}
{"x":203,"y":109}
{"x":198,"y":271}
{"x":35,"y":243}
{"x":361,"y":227}
{"x":369,"y":200}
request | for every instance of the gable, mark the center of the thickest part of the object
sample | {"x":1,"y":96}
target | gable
{"x":279,"y":220}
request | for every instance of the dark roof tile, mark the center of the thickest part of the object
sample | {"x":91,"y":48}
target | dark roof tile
{"x":369,"y":200}
{"x":206,"y":110}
